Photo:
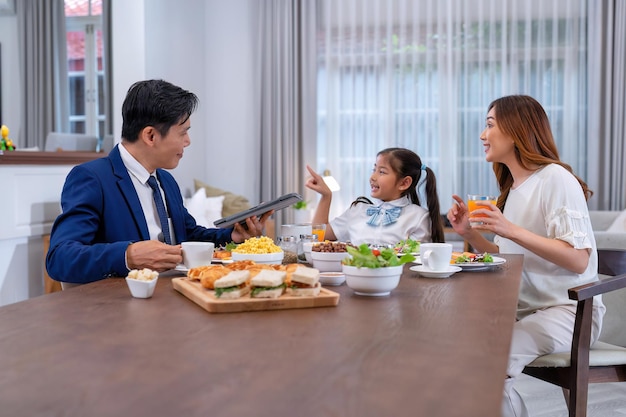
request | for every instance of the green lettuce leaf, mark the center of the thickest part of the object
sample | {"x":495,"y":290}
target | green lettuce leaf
{"x":363,"y":257}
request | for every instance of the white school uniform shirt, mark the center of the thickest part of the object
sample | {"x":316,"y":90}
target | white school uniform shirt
{"x":550,"y":203}
{"x":352,"y":226}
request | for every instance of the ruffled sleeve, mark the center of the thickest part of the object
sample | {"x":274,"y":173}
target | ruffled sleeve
{"x":569,"y":226}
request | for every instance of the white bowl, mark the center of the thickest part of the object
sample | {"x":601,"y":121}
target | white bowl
{"x":328,"y":261}
{"x":259,"y":258}
{"x":141,"y":288}
{"x":372,"y":281}
{"x":332,"y":278}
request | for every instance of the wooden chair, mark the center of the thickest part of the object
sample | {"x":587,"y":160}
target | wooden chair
{"x":49,"y":285}
{"x":605,"y":361}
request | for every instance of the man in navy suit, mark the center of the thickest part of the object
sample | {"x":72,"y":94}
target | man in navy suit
{"x":110,"y":222}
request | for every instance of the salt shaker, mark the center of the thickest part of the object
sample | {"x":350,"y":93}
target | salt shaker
{"x":290,"y":248}
{"x":301,"y":244}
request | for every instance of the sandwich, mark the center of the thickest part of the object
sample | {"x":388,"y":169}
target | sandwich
{"x":305,"y":282}
{"x":232,"y":285}
{"x":207,"y":274}
{"x":268,"y":283}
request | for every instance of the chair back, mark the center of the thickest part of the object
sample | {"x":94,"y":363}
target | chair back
{"x":108,"y":142}
{"x":57,"y":141}
{"x":612,"y":262}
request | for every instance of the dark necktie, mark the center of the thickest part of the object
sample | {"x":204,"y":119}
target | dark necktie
{"x":158,"y":201}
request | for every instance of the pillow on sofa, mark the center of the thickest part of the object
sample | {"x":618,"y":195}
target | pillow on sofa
{"x":233,"y":203}
{"x":619,"y":224}
{"x":205,"y":209}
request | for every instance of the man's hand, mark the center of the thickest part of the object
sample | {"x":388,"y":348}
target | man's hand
{"x":254,"y":225}
{"x":153,"y":254}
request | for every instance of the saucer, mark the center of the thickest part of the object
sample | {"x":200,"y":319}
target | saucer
{"x":425,"y":272}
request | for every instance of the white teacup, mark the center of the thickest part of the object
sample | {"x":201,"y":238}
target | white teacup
{"x":197,"y":254}
{"x":436,"y":256}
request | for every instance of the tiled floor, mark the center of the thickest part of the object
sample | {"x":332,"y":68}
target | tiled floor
{"x":546,"y":400}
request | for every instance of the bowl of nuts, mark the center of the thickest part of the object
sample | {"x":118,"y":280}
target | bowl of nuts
{"x":141,"y":282}
{"x":327,"y":256}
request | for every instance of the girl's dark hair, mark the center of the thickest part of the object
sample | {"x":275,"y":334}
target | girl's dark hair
{"x":155,"y":103}
{"x":406,"y":163}
{"x":526,"y":122}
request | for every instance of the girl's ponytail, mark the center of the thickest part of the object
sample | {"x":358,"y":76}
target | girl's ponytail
{"x":434,"y":211}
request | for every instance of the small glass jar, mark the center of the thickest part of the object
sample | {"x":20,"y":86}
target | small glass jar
{"x":304,"y":239}
{"x":289,"y":245}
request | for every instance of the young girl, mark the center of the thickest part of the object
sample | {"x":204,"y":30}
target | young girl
{"x":395,"y":214}
{"x":541,"y":213}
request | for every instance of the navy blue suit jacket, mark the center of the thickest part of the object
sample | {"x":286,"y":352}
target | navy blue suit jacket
{"x":101,"y":215}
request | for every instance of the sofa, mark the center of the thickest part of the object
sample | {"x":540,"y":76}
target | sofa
{"x":609,"y":228}
{"x":209,"y":203}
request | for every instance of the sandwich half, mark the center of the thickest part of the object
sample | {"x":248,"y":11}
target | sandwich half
{"x":232,"y":285}
{"x":305,"y":282}
{"x":268,"y":283}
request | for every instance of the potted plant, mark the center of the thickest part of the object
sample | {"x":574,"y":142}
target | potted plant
{"x":301,"y":212}
{"x":373,"y":272}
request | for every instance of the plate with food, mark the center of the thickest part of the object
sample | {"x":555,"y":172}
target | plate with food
{"x":407,"y":246}
{"x":222,"y":256}
{"x":470,"y":261}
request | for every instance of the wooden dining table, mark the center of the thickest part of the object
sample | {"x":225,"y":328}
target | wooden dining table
{"x":432,"y":348}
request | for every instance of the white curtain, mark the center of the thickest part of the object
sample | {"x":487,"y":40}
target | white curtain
{"x":420,"y":74}
{"x":107,"y":54}
{"x":286,"y":97}
{"x":607,"y":90}
{"x":43,"y":64}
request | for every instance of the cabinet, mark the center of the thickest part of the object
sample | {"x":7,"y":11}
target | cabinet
{"x":31,"y":194}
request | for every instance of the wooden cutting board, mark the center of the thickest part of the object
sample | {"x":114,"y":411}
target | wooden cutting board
{"x":207,"y":300}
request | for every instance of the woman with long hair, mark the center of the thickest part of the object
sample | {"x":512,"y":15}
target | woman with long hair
{"x":541,"y":213}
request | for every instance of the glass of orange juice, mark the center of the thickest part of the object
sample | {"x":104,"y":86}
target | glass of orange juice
{"x":475,"y":202}
{"x":319,"y":230}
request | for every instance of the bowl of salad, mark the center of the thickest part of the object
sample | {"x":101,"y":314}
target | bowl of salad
{"x":373,"y":272}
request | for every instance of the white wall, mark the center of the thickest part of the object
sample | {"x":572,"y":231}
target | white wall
{"x":206,"y":47}
{"x":231,"y":123}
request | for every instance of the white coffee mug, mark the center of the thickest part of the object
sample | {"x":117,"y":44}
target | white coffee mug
{"x":436,"y":256}
{"x":197,"y":254}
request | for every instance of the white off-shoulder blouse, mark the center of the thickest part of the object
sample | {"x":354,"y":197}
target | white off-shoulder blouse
{"x":549,"y":203}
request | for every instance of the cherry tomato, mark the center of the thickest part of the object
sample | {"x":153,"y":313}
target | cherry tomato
{"x":376,"y":252}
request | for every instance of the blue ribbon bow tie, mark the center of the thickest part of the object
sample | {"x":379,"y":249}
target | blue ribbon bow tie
{"x":383,"y":216}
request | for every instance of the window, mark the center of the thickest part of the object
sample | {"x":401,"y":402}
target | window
{"x":421,"y":74}
{"x":85,"y":66}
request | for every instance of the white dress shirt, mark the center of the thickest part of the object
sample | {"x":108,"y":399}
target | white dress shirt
{"x":139,"y":175}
